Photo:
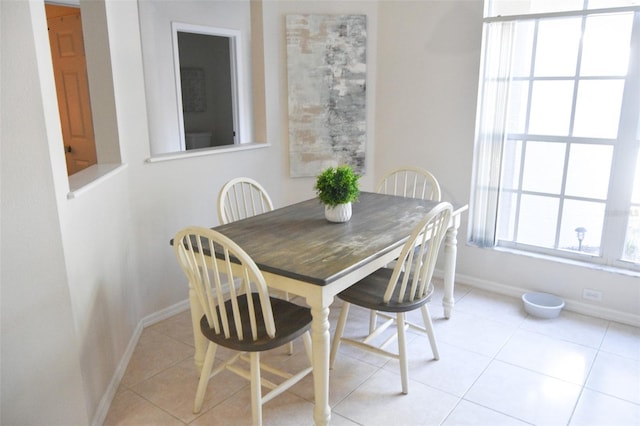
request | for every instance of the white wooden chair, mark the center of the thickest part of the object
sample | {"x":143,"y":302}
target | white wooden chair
{"x":248,"y":321}
{"x":392,"y":293}
{"x":241,"y":198}
{"x":410,"y":182}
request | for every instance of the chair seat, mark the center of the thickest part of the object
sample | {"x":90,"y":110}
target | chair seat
{"x":291,"y":321}
{"x":368,"y":293}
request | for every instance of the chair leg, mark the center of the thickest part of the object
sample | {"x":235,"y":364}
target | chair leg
{"x":373,"y":316}
{"x":428,"y":325}
{"x":256,"y":391}
{"x":204,"y":376}
{"x":290,"y":345}
{"x":402,"y":351}
{"x":338,"y":334}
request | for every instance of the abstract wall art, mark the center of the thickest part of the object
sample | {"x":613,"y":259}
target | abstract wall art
{"x":327,"y":69}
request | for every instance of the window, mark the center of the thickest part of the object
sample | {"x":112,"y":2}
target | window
{"x":206,"y":68}
{"x":207,"y":48}
{"x":557,"y":165}
{"x":101,"y":158}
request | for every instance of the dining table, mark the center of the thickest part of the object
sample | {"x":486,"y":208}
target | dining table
{"x":301,"y":253}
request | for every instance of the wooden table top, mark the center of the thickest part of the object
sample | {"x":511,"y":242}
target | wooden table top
{"x":297,"y":241}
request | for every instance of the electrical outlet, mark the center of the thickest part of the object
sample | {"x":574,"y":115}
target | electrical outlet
{"x":589,"y":294}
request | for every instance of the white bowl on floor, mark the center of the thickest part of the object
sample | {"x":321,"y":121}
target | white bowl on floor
{"x":542,"y":305}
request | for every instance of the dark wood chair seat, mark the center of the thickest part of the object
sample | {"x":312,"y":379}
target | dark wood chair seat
{"x":291,"y":321}
{"x":367,"y":293}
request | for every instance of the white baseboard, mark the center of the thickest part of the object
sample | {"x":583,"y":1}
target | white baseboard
{"x":107,"y":398}
{"x":570,"y":304}
{"x":165,"y":313}
{"x":105,"y":401}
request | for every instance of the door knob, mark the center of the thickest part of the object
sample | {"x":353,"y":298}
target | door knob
{"x":68,"y":148}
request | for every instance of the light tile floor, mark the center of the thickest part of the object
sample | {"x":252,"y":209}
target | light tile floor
{"x":498,"y":366}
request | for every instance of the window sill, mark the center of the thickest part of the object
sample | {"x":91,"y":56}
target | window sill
{"x":572,"y":262}
{"x":205,"y":151}
{"x":90,"y":177}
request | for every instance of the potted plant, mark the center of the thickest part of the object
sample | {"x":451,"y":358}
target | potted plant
{"x":337,"y":188}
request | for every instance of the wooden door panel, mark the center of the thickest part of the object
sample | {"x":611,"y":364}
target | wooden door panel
{"x":71,"y":82}
{"x":72,"y":87}
{"x":67,"y":46}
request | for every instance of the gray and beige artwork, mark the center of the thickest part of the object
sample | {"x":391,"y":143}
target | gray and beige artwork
{"x":327,"y":69}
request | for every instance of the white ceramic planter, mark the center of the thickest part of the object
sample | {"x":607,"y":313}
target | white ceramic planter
{"x":339,"y":213}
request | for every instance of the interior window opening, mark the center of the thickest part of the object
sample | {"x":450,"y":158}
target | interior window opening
{"x":72,"y":87}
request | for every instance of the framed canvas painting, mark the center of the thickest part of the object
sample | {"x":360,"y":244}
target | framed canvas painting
{"x":327,"y":69}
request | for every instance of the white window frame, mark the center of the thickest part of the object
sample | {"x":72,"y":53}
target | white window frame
{"x":237,"y":75}
{"x":491,"y":136}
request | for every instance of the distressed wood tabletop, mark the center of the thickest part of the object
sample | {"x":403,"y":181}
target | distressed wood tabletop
{"x":297,"y":241}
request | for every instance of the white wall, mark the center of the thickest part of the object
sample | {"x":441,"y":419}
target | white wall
{"x":40,"y":348}
{"x":104,"y":260}
{"x":428,"y":77}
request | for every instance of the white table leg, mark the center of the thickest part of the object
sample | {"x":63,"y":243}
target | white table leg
{"x":199,"y":340}
{"x":450,"y":253}
{"x":320,"y":342}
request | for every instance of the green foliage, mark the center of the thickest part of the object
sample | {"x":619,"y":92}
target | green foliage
{"x":337,"y":185}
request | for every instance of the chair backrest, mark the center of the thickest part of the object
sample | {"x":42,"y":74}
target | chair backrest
{"x":410,"y":182}
{"x":241,"y":198}
{"x":411,"y":277}
{"x":195,"y":247}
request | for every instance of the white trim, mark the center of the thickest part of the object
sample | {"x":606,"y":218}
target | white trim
{"x":67,"y":3}
{"x":85,"y":180}
{"x":206,"y":151}
{"x":570,"y":305}
{"x":109,"y":394}
{"x":568,"y":258}
{"x":165,"y":313}
{"x":564,"y":13}
{"x":107,"y":397}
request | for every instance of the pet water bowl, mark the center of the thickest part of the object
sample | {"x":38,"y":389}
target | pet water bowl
{"x":542,"y":305}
